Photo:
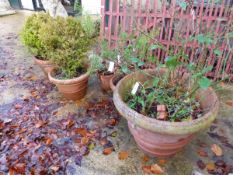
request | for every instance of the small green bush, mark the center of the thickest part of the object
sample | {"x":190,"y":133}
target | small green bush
{"x":90,"y":25}
{"x":30,"y":34}
{"x":67,"y":44}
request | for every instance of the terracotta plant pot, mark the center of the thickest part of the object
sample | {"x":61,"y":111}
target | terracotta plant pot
{"x":114,"y":80}
{"x":105,"y":81}
{"x":45,"y":65}
{"x":72,"y":89}
{"x":162,"y":138}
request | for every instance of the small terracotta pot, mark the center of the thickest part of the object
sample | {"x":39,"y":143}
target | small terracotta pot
{"x":45,"y":65}
{"x":105,"y":81}
{"x":72,"y":89}
{"x":162,"y":138}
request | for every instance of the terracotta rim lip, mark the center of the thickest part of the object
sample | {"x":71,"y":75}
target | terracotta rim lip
{"x":68,"y":81}
{"x":106,"y":76}
{"x":113,"y":87}
{"x":42,"y":61}
{"x":166,"y":127}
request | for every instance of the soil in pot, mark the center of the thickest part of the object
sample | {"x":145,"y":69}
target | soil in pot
{"x":115,"y":79}
{"x":44,"y":64}
{"x":158,"y":109}
{"x":162,"y":137}
{"x":105,"y":78}
{"x":72,"y":89}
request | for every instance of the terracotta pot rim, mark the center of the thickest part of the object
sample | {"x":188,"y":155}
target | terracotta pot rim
{"x":166,"y":127}
{"x":68,"y":81}
{"x":102,"y":75}
{"x":40,"y":60}
{"x":112,"y":86}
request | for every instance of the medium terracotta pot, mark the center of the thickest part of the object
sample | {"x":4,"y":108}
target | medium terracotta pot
{"x":105,"y":81}
{"x":162,"y":138}
{"x":72,"y":89}
{"x":45,"y":65}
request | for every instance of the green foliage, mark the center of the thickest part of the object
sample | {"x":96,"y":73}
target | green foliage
{"x":183,"y":4}
{"x":30,"y":35}
{"x":96,"y":63}
{"x":204,"y":39}
{"x":217,"y":52}
{"x":78,"y":7}
{"x":106,"y":53}
{"x":67,"y":44}
{"x":90,"y":26}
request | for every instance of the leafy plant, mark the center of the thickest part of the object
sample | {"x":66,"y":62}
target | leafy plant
{"x":91,"y":26}
{"x":176,"y":89}
{"x":30,"y":35}
{"x":67,"y":44}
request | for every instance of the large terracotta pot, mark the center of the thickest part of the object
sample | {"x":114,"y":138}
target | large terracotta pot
{"x":45,"y":65}
{"x":162,"y":138}
{"x":72,"y":89}
{"x":105,"y":81}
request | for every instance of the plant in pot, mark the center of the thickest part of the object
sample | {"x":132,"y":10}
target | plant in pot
{"x":166,"y":106}
{"x":133,"y":54}
{"x":30,"y":37}
{"x":107,"y":64}
{"x":68,"y":46}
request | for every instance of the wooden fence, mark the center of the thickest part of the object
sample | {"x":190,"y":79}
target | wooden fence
{"x":175,"y":21}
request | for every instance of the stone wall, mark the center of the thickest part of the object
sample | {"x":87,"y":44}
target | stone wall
{"x":5,"y":8}
{"x":55,"y":8}
{"x":4,"y":5}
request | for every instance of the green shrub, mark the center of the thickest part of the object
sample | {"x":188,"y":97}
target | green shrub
{"x":67,"y":44}
{"x":30,"y":34}
{"x":90,"y":25}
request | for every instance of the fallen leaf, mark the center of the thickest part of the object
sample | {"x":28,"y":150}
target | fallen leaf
{"x":145,"y":158}
{"x":32,"y":78}
{"x":156,"y":169}
{"x":69,"y":123}
{"x":34,"y":93}
{"x":229,"y":103}
{"x":81,"y":131}
{"x":84,"y":140}
{"x":220,"y":163}
{"x":107,"y":151}
{"x":201,"y":164}
{"x":20,"y":168}
{"x":216,"y":150}
{"x":91,"y":146}
{"x":210,"y":166}
{"x":55,"y":168}
{"x":2,"y":125}
{"x":103,"y":141}
{"x":18,"y":106}
{"x":202,"y":153}
{"x":162,"y":161}
{"x":112,"y":122}
{"x":49,"y":141}
{"x":39,"y":124}
{"x":113,"y":134}
{"x":2,"y":173}
{"x":146,"y":169}
{"x":123,"y":155}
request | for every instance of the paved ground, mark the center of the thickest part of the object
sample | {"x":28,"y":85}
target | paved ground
{"x":16,"y":61}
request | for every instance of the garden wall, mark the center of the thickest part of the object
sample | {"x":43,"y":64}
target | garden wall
{"x":176,"y":21}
